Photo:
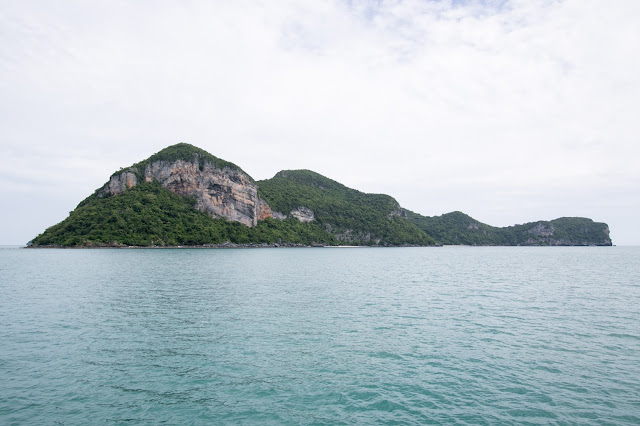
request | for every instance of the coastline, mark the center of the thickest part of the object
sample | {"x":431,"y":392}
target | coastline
{"x":226,"y":245}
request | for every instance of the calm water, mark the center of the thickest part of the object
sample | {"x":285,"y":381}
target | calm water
{"x":324,"y":336}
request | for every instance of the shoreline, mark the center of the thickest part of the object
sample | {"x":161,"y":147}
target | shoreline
{"x":226,"y":245}
{"x":276,"y":245}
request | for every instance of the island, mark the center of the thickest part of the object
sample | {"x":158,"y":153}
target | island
{"x":184,"y":196}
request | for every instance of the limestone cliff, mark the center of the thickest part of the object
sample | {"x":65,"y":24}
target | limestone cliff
{"x":303,"y":214}
{"x":120,"y":183}
{"x":225,"y":192}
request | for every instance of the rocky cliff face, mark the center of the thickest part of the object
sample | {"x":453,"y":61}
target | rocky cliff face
{"x":226,"y":192}
{"x":542,"y":233}
{"x":541,"y":230}
{"x":397,"y":212}
{"x":120,"y":183}
{"x":303,"y":214}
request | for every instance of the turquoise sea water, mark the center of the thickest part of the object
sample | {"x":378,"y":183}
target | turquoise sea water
{"x":320,"y":336}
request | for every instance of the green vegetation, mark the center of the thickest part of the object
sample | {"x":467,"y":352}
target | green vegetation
{"x":454,"y":228}
{"x":459,"y":228}
{"x":352,"y":216}
{"x":149,"y":214}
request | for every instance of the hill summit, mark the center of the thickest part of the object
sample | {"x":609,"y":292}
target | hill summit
{"x":183,"y":195}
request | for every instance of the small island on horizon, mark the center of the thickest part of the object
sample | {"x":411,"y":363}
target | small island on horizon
{"x":184,"y":196}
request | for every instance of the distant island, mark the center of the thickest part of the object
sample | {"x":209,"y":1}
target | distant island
{"x":184,"y":196}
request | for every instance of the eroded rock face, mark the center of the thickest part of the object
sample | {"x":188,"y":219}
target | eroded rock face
{"x":278,"y":215}
{"x":540,"y":230}
{"x":264,"y":211}
{"x":397,"y":212}
{"x":303,"y":214}
{"x":120,"y":183}
{"x":226,"y":193}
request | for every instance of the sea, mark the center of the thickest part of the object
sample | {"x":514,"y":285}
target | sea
{"x":447,"y":335}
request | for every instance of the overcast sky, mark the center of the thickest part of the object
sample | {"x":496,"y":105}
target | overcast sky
{"x":510,"y":111}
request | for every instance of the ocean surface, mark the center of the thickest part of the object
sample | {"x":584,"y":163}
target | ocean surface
{"x":452,"y":335}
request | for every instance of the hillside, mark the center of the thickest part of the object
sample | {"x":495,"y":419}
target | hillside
{"x":457,"y":228}
{"x":352,"y":216}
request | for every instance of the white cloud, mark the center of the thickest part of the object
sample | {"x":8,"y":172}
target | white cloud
{"x":509,"y":111}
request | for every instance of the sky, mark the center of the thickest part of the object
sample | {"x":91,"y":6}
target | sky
{"x":510,"y":111}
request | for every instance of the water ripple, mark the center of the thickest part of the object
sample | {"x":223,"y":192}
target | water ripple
{"x":409,"y":336}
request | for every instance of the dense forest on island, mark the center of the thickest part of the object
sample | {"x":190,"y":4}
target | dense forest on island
{"x":457,"y":228}
{"x":352,"y":216}
{"x":149,"y":214}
